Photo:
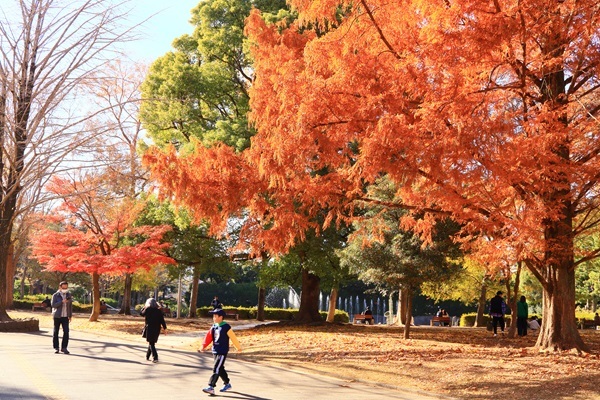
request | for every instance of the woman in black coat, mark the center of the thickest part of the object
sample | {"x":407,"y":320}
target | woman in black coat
{"x":154,"y":320}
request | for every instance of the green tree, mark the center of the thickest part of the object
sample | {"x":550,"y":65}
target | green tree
{"x":312,"y":263}
{"x":192,"y":247}
{"x":200,"y":89}
{"x":384,"y":253}
{"x":470,"y":285}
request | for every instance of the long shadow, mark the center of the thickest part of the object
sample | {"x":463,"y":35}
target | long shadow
{"x":196,"y":361}
{"x":12,"y":393}
{"x":126,"y":361}
{"x":240,"y":395}
{"x":107,"y":359}
{"x":108,"y":344}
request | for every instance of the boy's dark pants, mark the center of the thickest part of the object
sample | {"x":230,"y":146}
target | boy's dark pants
{"x":219,"y":370}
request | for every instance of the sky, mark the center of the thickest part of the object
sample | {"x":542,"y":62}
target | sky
{"x":161,"y":22}
{"x":167,"y":21}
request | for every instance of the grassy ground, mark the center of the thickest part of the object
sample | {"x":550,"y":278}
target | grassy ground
{"x":465,"y":363}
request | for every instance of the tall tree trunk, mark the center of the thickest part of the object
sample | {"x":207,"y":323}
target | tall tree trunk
{"x":260,"y":311}
{"x":126,"y":303}
{"x":513,"y":302}
{"x":402,"y":304}
{"x":559,"y":328}
{"x":479,"y":319}
{"x":10,"y":276}
{"x":262,"y":291}
{"x":391,"y":308}
{"x":22,"y":285}
{"x":556,"y":273}
{"x":332,"y":302}
{"x":194,"y":294}
{"x":408,"y":313}
{"x":95,"y":297}
{"x":5,"y":231}
{"x":309,"y":298}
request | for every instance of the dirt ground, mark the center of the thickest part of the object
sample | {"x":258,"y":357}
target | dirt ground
{"x":464,"y":363}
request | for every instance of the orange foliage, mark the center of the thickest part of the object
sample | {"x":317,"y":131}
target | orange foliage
{"x":451,"y":99}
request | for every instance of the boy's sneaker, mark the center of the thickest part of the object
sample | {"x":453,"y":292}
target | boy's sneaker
{"x":226,"y":387}
{"x":209,"y":390}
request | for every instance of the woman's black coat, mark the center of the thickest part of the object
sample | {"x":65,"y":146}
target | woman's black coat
{"x":154,"y":320}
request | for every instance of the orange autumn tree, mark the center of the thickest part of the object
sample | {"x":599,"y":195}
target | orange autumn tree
{"x":486,"y":111}
{"x":90,"y":232}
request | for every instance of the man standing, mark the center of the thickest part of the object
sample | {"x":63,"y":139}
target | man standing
{"x":497,"y":311}
{"x":62,"y":311}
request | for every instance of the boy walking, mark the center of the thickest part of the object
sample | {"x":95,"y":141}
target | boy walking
{"x":219,"y":335}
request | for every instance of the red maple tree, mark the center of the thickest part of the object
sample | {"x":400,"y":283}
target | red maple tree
{"x":97,"y":235}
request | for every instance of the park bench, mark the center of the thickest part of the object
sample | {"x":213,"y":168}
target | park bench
{"x":363,"y":318}
{"x":40,"y":306}
{"x":441,"y":321}
{"x":232,"y":314}
{"x":587,"y":323}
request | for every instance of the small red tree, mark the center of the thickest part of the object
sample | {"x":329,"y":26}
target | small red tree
{"x":94,"y":234}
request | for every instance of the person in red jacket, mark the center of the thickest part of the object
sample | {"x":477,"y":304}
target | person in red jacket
{"x":219,"y":334}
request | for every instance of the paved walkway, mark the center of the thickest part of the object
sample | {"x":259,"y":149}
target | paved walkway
{"x":101,"y":368}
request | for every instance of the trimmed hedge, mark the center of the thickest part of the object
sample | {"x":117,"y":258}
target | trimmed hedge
{"x":279,"y":314}
{"x":28,"y":304}
{"x":469,"y":319}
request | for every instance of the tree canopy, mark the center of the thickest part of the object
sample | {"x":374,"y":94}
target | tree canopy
{"x":484,"y":112}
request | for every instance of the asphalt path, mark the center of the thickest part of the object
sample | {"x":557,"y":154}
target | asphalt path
{"x":101,"y":367}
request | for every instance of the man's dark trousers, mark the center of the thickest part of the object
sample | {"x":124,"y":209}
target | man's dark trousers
{"x":64,"y":321}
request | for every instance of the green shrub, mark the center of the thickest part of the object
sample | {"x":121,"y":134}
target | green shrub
{"x":584,"y":314}
{"x":277,"y":314}
{"x":110,"y":301}
{"x":24,"y":304}
{"x":468,"y":319}
{"x":82,"y":308}
{"x":230,"y":294}
{"x":339,"y":316}
{"x":28,"y":304}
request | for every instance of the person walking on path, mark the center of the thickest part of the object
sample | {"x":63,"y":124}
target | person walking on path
{"x":215,"y":303}
{"x":154,"y":320}
{"x":497,"y":311}
{"x":62,"y":311}
{"x":522,"y":315}
{"x":219,"y":335}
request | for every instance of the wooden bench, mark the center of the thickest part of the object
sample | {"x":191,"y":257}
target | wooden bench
{"x":232,"y":314}
{"x":40,"y":306}
{"x":587,"y":323}
{"x":363,"y":318}
{"x":441,"y":321}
